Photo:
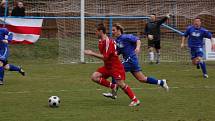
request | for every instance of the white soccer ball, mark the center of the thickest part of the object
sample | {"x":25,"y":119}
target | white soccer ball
{"x":54,"y":101}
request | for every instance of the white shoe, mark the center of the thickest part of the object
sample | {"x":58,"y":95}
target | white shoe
{"x":134,"y":103}
{"x":165,"y":86}
{"x":1,"y":82}
{"x":205,"y":76}
{"x":109,"y":95}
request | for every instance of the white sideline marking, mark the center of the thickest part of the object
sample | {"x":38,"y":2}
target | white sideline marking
{"x":99,"y":89}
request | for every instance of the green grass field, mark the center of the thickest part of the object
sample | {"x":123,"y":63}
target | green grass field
{"x":191,"y":98}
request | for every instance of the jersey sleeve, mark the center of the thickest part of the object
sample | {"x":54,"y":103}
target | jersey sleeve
{"x":9,"y":34}
{"x":187,"y":32}
{"x":132,"y":38}
{"x":162,"y":21}
{"x":207,"y":34}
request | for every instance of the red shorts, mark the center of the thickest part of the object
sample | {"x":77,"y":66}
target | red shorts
{"x":116,"y":74}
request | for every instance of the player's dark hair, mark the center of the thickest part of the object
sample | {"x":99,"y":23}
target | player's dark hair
{"x":153,"y":14}
{"x":198,"y":18}
{"x":119,"y":27}
{"x":102,"y":27}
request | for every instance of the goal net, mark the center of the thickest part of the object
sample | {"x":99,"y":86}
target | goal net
{"x":130,"y":13}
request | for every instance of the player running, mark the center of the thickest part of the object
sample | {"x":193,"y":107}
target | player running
{"x":112,"y":65}
{"x":4,"y":53}
{"x":196,"y":34}
{"x":129,"y":46}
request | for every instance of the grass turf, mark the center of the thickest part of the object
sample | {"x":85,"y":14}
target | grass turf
{"x":191,"y":98}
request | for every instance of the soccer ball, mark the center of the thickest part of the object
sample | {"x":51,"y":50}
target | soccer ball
{"x":54,"y":101}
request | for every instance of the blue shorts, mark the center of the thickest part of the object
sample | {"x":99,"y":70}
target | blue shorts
{"x":196,"y":52}
{"x":4,"y":56}
{"x":131,"y":64}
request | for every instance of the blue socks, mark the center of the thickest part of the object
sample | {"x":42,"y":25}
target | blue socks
{"x":151,"y":80}
{"x":113,"y":81}
{"x":1,"y":73}
{"x":203,"y":67}
{"x":14,"y":68}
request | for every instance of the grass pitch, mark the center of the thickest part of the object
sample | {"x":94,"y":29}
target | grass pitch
{"x":191,"y":98}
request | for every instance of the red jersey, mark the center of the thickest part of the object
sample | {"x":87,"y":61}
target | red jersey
{"x":112,"y":63}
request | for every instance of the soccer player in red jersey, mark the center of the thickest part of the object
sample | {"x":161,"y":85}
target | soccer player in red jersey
{"x":112,"y":65}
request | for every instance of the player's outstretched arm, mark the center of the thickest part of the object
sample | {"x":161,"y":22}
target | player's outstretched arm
{"x":164,"y":19}
{"x":94,"y":54}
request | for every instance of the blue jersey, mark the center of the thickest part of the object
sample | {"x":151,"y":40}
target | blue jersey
{"x":126,"y":44}
{"x":4,"y":35}
{"x":196,"y":35}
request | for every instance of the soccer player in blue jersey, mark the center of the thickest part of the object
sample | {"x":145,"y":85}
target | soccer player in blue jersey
{"x":196,"y":34}
{"x":5,"y":38}
{"x":128,"y":46}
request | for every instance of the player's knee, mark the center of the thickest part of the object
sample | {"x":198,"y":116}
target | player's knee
{"x":7,"y":67}
{"x":150,"y":49}
{"x":140,"y":76}
{"x":195,"y":61}
{"x":95,"y":77}
{"x":199,"y":59}
{"x":1,"y":63}
{"x":121,"y":83}
{"x":142,"y":79}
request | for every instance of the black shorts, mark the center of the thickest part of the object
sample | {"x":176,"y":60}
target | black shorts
{"x":154,"y":43}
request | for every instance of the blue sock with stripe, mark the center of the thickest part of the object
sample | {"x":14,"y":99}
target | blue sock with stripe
{"x":151,"y":80}
{"x":14,"y":68}
{"x":1,"y":73}
{"x":203,"y":67}
{"x":113,"y":81}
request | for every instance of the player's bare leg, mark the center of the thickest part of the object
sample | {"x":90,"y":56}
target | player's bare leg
{"x":11,"y":67}
{"x":97,"y":77}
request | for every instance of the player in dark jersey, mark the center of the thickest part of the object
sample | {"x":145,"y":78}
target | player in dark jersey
{"x":152,"y":31}
{"x":112,"y":65}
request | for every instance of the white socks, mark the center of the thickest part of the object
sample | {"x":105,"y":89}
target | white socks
{"x":151,"y":56}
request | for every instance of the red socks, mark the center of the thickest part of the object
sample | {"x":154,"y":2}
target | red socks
{"x":130,"y":93}
{"x":106,"y":83}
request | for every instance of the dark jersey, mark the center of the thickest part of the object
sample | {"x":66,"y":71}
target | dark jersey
{"x":153,"y":28}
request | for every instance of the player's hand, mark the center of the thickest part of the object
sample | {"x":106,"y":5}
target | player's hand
{"x":5,"y":41}
{"x":182,"y":45}
{"x":150,"y":37}
{"x":168,"y":15}
{"x":88,"y":52}
{"x":137,"y":51}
